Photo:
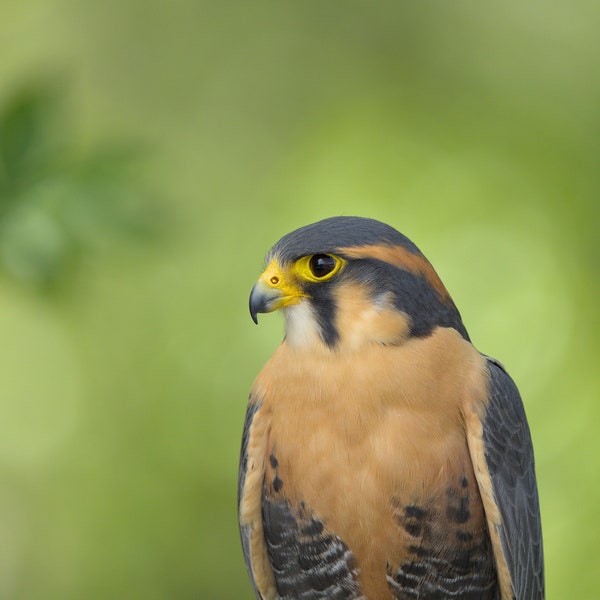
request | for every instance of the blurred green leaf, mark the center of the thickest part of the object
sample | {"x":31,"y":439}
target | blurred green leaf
{"x":25,"y":138}
{"x":56,"y":201}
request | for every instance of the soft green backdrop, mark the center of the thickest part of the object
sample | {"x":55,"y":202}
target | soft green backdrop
{"x":151,"y":152}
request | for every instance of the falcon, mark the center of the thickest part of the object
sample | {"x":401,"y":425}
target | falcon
{"x":383,"y":456}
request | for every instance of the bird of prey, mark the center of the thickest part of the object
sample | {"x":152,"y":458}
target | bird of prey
{"x":383,"y":456}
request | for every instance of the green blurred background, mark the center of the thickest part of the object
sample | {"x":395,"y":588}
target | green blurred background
{"x":150,"y":154}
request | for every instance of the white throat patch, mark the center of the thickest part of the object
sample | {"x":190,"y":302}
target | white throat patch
{"x":301,"y":327}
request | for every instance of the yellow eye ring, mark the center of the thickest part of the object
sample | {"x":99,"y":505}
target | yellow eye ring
{"x":318,"y":267}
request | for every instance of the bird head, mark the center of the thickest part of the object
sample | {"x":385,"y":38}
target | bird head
{"x":347,"y":281}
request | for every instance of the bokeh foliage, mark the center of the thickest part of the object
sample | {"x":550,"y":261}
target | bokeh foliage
{"x":57,"y":200}
{"x":474,"y":129}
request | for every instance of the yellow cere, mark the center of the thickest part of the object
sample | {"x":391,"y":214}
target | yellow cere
{"x":283,"y":285}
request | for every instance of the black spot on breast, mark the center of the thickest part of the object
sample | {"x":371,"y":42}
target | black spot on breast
{"x":415,"y":512}
{"x":273,"y":461}
{"x":410,"y":517}
{"x":413,"y":520}
{"x":459,"y":513}
{"x":413,"y":529}
{"x":464,"y":536}
{"x":457,"y":506}
{"x":276,"y":482}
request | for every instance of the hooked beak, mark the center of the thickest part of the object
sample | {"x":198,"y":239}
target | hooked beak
{"x":263,"y":299}
{"x":273,"y":291}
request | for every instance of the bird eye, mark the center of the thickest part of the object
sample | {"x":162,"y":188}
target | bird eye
{"x":321,"y":265}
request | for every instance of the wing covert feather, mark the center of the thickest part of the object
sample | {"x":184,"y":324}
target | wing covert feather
{"x":509,"y":458}
{"x":250,"y":487}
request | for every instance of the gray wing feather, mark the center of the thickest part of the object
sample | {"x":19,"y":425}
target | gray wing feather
{"x":509,"y":457}
{"x":245,"y":530}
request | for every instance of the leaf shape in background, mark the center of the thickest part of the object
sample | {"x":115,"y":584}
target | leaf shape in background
{"x":56,"y":201}
{"x":29,"y":137}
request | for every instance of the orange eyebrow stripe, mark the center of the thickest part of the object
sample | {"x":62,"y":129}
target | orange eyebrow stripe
{"x":403,"y":259}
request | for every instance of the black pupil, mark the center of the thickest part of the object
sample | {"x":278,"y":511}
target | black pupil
{"x":321,"y":264}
